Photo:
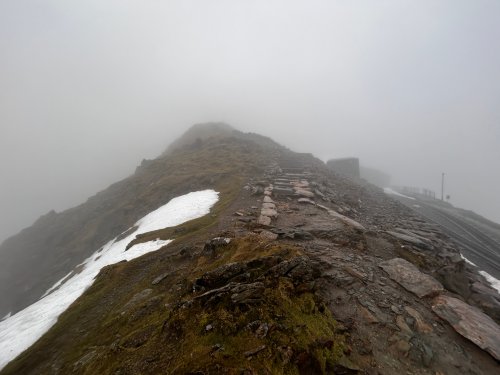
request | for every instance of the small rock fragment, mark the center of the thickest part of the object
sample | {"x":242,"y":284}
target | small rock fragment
{"x":367,"y":316}
{"x":160,"y":278}
{"x":268,"y":235}
{"x":401,"y":323}
{"x":255,"y":351}
{"x":305,"y":201}
{"x":420,"y":324}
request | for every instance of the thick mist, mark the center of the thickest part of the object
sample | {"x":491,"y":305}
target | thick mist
{"x":88,"y":89}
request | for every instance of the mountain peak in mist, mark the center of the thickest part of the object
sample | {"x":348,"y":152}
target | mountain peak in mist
{"x":201,"y":132}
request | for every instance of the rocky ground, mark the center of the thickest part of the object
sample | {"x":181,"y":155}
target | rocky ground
{"x":303,"y":272}
{"x":394,"y":280}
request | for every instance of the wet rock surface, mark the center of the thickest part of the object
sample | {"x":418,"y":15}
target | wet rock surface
{"x":380,"y":266}
{"x":407,"y":275}
{"x":470,"y":322}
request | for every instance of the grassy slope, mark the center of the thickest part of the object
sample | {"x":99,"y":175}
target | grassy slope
{"x":35,"y":259}
{"x":100,"y":333}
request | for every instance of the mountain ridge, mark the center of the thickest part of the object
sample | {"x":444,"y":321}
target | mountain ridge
{"x":80,"y":230}
{"x":289,"y":273}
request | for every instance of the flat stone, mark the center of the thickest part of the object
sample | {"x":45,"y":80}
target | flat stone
{"x":293,"y":233}
{"x":407,"y":238}
{"x":283,"y":191}
{"x":282,"y":181}
{"x":283,"y":187}
{"x":304,"y":193}
{"x":268,"y":235}
{"x":305,"y":201}
{"x":470,"y":322}
{"x":160,"y":278}
{"x":355,"y":273}
{"x":346,"y":220}
{"x":268,"y":199}
{"x":264,"y":220}
{"x":301,"y":184}
{"x":414,"y":233}
{"x":410,"y":278}
{"x":255,"y":351}
{"x":324,"y":227}
{"x":269,"y":205}
{"x":269,"y":212}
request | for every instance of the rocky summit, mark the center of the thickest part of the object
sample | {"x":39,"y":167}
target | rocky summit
{"x":295,"y":270}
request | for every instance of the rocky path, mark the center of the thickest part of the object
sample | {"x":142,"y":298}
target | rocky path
{"x":394,"y":282}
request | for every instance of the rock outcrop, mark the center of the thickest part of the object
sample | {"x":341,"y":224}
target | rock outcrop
{"x":470,"y":322}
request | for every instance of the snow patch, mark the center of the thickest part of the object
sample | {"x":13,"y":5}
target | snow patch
{"x":6,"y":316}
{"x":494,"y":282}
{"x":468,"y":261}
{"x":20,"y":331}
{"x":389,"y":191}
{"x":58,"y":284}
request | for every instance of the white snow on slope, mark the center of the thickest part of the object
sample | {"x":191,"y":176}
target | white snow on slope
{"x":6,"y":316}
{"x":20,"y":331}
{"x":389,"y":191}
{"x":494,"y":282}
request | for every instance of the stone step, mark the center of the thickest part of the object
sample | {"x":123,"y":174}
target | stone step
{"x":292,"y":170}
{"x":283,"y":186}
{"x":295,"y":175}
{"x":283,"y":191}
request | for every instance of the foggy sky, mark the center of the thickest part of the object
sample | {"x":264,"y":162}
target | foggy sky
{"x":90,"y":88}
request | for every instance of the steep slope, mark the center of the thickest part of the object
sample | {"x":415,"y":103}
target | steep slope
{"x":477,"y":237}
{"x":295,"y":271}
{"x":32,"y":261}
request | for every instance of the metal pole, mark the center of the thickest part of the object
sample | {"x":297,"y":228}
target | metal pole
{"x":442,"y":187}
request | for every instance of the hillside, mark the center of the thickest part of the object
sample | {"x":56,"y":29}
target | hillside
{"x":295,"y":270}
{"x":32,"y":261}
